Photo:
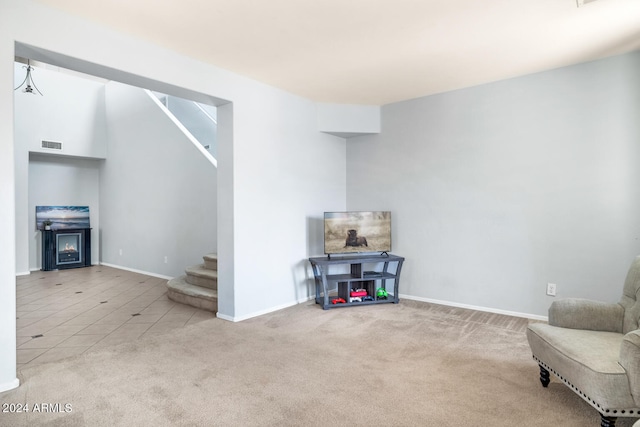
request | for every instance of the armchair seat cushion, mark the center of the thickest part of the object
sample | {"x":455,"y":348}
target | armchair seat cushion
{"x":586,"y":361}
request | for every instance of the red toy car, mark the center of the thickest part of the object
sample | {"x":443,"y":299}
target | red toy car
{"x":338,"y":301}
{"x":358,"y":292}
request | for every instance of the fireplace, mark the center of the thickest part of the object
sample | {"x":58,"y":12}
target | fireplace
{"x":68,"y":248}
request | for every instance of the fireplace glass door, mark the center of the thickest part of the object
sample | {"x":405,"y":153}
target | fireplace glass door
{"x":69,"y":248}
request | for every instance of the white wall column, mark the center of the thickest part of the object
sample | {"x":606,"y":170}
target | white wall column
{"x":8,"y":379}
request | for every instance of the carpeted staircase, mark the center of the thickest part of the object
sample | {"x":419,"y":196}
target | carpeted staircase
{"x":199,"y":287}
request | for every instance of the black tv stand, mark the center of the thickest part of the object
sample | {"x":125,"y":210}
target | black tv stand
{"x":371,"y":280}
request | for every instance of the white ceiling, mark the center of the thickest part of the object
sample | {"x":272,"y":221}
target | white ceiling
{"x":375,"y":51}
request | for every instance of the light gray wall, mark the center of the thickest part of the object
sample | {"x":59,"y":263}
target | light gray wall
{"x":276,"y":171}
{"x":157,"y":193}
{"x":286,"y":173}
{"x":348,"y":120}
{"x":498,"y":189}
{"x":63,"y":181}
{"x":72,"y":112}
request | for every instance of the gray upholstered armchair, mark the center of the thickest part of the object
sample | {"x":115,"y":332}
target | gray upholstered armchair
{"x":594,"y":348}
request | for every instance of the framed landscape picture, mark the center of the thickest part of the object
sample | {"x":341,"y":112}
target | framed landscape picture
{"x":62,"y":217}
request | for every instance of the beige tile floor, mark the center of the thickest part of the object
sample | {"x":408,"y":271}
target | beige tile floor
{"x":67,"y":312}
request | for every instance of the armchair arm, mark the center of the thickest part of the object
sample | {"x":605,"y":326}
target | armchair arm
{"x":577,"y":313}
{"x":630,"y":361}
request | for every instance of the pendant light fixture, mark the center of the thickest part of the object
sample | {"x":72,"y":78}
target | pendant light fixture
{"x":30,"y":85}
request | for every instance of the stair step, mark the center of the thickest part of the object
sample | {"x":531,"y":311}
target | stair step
{"x":179,"y":290}
{"x":200,"y":276}
{"x":211,"y":261}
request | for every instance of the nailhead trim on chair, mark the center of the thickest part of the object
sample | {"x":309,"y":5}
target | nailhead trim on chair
{"x":607,"y":412}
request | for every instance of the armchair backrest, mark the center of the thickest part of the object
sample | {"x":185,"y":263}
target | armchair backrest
{"x":631,"y":298}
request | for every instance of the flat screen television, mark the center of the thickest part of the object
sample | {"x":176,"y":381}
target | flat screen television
{"x":356,"y":232}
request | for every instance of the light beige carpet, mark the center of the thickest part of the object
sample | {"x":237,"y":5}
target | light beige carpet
{"x":411,"y":364}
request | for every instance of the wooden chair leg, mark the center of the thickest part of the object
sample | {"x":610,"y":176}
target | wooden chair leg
{"x":544,"y":376}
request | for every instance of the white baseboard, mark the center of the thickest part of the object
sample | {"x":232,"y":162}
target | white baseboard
{"x":453,"y":304}
{"x":224,"y":317}
{"x":10,"y":385}
{"x":23,"y":273}
{"x":409,"y":297}
{"x":307,"y":299}
{"x":133,"y":270}
{"x":401,"y":296}
{"x":475,"y":307}
{"x":257,"y":313}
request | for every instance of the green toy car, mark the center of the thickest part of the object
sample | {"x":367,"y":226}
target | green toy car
{"x":381,"y":293}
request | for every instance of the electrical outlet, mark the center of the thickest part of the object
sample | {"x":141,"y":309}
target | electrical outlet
{"x":121,"y":252}
{"x":166,"y":259}
{"x":551,"y":289}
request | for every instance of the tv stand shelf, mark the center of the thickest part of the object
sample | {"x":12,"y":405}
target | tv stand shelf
{"x":357,"y":278}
